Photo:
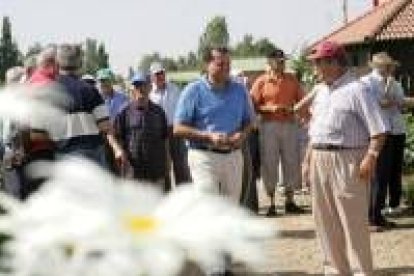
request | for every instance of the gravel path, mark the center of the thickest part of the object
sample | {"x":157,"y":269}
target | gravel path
{"x":295,"y":251}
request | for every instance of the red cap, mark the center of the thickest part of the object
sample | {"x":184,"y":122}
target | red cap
{"x":327,"y":49}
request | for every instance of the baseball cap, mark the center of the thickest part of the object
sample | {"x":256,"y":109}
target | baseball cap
{"x":156,"y":67}
{"x":327,"y":49}
{"x":104,"y":74}
{"x":139,"y":78}
{"x":277,"y":54}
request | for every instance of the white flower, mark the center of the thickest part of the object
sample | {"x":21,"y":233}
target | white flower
{"x":87,"y":222}
{"x":84,"y":221}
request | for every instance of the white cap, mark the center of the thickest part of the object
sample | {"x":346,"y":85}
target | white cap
{"x":156,"y":67}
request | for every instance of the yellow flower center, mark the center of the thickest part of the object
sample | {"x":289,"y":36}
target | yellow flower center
{"x":141,"y":224}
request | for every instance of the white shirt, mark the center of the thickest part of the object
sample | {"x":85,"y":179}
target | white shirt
{"x":166,"y":98}
{"x":345,"y":114}
{"x":388,"y":89}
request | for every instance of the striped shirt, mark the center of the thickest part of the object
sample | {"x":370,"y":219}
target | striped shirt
{"x":85,"y":110}
{"x":345,"y":114}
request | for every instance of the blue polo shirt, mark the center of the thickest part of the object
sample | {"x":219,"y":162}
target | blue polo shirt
{"x":205,"y":108}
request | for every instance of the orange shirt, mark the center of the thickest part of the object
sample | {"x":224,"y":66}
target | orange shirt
{"x":283,"y":90}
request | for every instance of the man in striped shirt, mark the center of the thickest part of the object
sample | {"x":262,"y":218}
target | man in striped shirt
{"x":87,"y":117}
{"x":347,"y":132}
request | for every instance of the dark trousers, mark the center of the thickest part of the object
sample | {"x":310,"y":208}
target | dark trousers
{"x":251,"y":172}
{"x":387,"y":177}
{"x":31,"y":184}
{"x":179,"y":159}
{"x":397,"y":157}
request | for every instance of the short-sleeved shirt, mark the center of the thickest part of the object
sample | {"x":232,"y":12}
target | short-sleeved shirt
{"x":283,"y":90}
{"x":166,"y":98}
{"x":206,"y":108}
{"x":345,"y":114}
{"x":85,"y":110}
{"x":115,"y":103}
{"x":143,"y":134}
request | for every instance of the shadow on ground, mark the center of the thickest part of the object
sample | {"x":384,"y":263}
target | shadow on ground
{"x":393,"y":271}
{"x":296,"y":234}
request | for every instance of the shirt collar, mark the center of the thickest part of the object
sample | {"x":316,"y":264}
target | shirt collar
{"x":344,"y":79}
{"x":210,"y":86}
{"x":274,"y":77}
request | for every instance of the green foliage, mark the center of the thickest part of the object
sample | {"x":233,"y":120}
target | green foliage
{"x":408,"y":164}
{"x":34,"y":49}
{"x":146,"y":61}
{"x":215,"y":34}
{"x":9,"y":53}
{"x":408,"y":194}
{"x":95,"y":57}
{"x":303,"y":70}
{"x":249,"y":48}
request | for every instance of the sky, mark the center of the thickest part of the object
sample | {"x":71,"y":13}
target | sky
{"x":131,"y":28}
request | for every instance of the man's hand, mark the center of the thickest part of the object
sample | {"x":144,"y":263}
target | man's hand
{"x":121,"y":160}
{"x":367,"y":167}
{"x":236,"y":139}
{"x":218,"y":139}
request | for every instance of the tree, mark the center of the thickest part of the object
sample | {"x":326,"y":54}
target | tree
{"x":95,"y":56}
{"x":245,"y":48}
{"x":9,"y":52}
{"x":264,"y":46}
{"x":102,"y":56}
{"x":146,"y":60}
{"x":34,"y":49}
{"x":215,"y":34}
{"x":90,"y":57}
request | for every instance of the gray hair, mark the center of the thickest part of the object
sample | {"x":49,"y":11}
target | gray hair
{"x":14,"y":75}
{"x":46,"y":57}
{"x":69,"y":57}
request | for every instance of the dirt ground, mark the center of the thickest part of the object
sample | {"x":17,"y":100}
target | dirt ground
{"x":295,"y":251}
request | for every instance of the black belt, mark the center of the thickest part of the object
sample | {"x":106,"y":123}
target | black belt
{"x":329,"y":147}
{"x":215,"y":150}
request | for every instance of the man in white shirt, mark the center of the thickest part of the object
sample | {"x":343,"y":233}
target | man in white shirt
{"x":390,"y":97}
{"x":166,"y":95}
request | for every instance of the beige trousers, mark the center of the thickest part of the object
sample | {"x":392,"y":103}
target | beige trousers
{"x":279,"y":146}
{"x":217,"y":173}
{"x":340,"y":206}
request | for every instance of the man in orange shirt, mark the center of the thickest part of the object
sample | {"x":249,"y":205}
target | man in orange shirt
{"x":274,"y":94}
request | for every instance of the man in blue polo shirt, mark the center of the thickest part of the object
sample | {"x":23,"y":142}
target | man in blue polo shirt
{"x":214,"y":114}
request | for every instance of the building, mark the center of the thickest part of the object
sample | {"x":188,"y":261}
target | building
{"x":388,"y":26}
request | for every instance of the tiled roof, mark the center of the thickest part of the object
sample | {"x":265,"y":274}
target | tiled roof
{"x":401,"y":26}
{"x":392,"y":19}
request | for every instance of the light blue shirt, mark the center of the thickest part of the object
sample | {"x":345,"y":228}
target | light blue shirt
{"x":388,"y":89}
{"x":167,"y":99}
{"x":205,"y":108}
{"x":115,"y":103}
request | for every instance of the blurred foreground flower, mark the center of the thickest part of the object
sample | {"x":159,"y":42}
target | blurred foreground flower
{"x":38,"y":107}
{"x":86,"y":222}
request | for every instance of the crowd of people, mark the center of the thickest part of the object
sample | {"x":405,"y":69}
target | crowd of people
{"x":222,"y":135}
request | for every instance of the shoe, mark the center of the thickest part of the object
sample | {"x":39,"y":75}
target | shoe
{"x":271,"y":212}
{"x":386,"y":223}
{"x":228,"y":273}
{"x":292,"y":208}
